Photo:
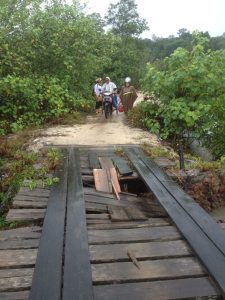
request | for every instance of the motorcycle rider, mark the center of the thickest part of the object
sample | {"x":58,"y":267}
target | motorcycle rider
{"x":111,"y":88}
{"x":128,"y":95}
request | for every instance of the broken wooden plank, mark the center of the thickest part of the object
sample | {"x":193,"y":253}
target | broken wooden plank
{"x":106,"y":162}
{"x":122,"y":166}
{"x":98,"y":221}
{"x":18,"y":258}
{"x":178,"y":289}
{"x":109,"y":201}
{"x":101,"y":216}
{"x":92,"y":192}
{"x":168,"y":233}
{"x":95,"y":207}
{"x":134,"y":213}
{"x":117,"y":213}
{"x":114,"y":179}
{"x":150,"y":270}
{"x":149,"y":250}
{"x":93,"y":160}
{"x":25,"y":215}
{"x":101,"y":181}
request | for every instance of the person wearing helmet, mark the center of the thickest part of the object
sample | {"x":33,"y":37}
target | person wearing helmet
{"x":128,"y":95}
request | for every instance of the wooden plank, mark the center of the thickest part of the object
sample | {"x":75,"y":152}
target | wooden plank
{"x":101,"y":181}
{"x":30,"y":198}
{"x":151,"y":250}
{"x":47,"y":278}
{"x":37,"y":192}
{"x":15,"y":295}
{"x":18,"y":258}
{"x":198,"y":214}
{"x":98,"y":221}
{"x":77,"y":280}
{"x":117,"y":213}
{"x":168,"y":233}
{"x":106,"y":162}
{"x":122,"y":166}
{"x":134,"y":224}
{"x":108,"y":201}
{"x":8,"y":273}
{"x":95,"y":207}
{"x":86,"y":171}
{"x":26,"y":215}
{"x":93,"y":160}
{"x":19,"y":244}
{"x":208,"y":253}
{"x":149,"y":270}
{"x":93,"y":192}
{"x":189,"y":288}
{"x":29,"y":204}
{"x":100,"y":216}
{"x":135,"y":214}
{"x":22,"y":232}
{"x":114,"y":180}
{"x":15,"y":283}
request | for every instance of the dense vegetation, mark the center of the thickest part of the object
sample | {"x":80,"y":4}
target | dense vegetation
{"x":188,"y":95}
{"x":51,"y":52}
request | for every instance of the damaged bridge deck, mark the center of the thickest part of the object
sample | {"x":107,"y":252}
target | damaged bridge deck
{"x":143,"y":238}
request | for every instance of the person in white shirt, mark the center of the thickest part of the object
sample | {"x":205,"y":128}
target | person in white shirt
{"x":108,"y":86}
{"x":98,"y":95}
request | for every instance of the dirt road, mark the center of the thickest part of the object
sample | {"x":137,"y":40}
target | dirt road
{"x":96,"y":131}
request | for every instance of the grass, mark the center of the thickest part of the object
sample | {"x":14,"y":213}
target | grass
{"x":159,"y":151}
{"x":18,"y":165}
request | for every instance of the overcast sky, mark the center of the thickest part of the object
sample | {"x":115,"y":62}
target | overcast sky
{"x":166,"y":17}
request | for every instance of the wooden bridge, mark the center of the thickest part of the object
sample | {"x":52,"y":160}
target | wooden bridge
{"x":153,"y":243}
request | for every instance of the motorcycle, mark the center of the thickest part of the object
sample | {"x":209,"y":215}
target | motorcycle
{"x":107,"y":104}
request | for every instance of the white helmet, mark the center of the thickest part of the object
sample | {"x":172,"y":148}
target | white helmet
{"x":127,"y":80}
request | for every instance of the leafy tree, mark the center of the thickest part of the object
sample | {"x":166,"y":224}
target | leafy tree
{"x":124,"y":19}
{"x":190,"y":90}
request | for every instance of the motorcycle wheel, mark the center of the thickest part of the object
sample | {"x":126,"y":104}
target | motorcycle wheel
{"x":107,"y":112}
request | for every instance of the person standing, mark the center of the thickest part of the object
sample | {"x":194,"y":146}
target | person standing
{"x":98,"y":95}
{"x":128,"y":95}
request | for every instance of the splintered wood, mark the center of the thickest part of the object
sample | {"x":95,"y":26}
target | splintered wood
{"x":106,"y":179}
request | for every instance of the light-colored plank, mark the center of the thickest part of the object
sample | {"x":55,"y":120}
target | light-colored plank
{"x":17,"y":258}
{"x":25,"y":215}
{"x":133,"y":235}
{"x":149,"y":270}
{"x":151,"y":250}
{"x":190,"y":288}
{"x":117,"y":213}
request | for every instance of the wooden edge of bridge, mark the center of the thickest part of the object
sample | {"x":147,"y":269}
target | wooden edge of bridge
{"x":204,"y":236}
